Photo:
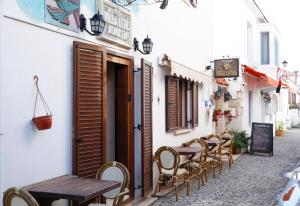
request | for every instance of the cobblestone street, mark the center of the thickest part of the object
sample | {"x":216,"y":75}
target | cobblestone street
{"x":253,"y":180}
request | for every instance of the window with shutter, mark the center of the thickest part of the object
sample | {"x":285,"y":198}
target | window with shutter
{"x":89,"y":73}
{"x":147,"y":139}
{"x":172,"y":103}
{"x":181,"y":103}
{"x":195,"y":104}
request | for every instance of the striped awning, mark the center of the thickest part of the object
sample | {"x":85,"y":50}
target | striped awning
{"x":180,"y":70}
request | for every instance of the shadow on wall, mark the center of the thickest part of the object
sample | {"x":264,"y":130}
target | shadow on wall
{"x":30,"y":131}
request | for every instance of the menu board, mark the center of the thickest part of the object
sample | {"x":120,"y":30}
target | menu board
{"x":262,"y":138}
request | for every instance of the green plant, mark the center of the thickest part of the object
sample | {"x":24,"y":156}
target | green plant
{"x":240,"y":139}
{"x":280,"y":126}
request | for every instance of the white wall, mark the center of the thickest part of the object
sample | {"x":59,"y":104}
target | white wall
{"x":185,"y":34}
{"x":29,"y":47}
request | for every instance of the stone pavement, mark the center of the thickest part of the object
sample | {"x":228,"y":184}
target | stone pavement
{"x":252,"y":181}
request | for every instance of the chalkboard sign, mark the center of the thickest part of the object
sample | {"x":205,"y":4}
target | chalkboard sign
{"x":262,"y":138}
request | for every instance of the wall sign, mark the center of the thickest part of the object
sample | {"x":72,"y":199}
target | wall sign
{"x":225,"y":68}
{"x":118,"y":28}
{"x":262,"y":138}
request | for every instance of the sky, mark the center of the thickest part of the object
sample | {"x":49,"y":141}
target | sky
{"x":286,"y":15}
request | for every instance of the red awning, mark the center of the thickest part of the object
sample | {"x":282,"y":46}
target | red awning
{"x":222,"y":81}
{"x":266,"y":80}
{"x":253,"y":72}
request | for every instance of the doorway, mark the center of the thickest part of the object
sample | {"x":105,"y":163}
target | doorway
{"x":119,"y":115}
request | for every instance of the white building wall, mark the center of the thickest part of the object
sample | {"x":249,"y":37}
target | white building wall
{"x":30,"y":47}
{"x":184,"y":34}
{"x":230,"y":34}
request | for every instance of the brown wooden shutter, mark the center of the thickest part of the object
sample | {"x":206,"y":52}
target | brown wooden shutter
{"x":195,"y":104}
{"x":147,"y":138}
{"x":89,"y":77}
{"x":172,"y":103}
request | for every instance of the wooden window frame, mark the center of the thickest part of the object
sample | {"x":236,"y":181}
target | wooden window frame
{"x":182,"y":110}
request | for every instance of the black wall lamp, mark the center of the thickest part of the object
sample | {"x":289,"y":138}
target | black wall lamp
{"x":97,"y":24}
{"x":147,"y":45}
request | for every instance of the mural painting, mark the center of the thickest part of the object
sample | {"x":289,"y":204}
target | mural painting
{"x":63,"y":13}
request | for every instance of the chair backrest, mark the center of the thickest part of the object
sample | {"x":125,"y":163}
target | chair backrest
{"x":218,"y":138}
{"x":201,"y":144}
{"x":227,"y":143}
{"x":18,"y":197}
{"x":114,"y":171}
{"x":167,"y":159}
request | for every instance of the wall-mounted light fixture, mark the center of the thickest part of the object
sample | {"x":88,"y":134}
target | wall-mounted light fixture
{"x":147,"y":45}
{"x":284,"y":63}
{"x":97,"y":24}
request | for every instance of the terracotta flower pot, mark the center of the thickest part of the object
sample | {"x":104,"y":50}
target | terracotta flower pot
{"x":279,"y":133}
{"x":43,"y":122}
{"x":237,"y":151}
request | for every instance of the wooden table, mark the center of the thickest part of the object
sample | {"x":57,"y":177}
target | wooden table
{"x":192,"y":151}
{"x":71,"y":188}
{"x":188,"y":150}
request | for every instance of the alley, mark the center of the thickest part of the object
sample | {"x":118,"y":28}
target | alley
{"x":253,"y":180}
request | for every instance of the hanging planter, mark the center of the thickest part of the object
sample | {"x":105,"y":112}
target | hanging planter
{"x":41,"y":122}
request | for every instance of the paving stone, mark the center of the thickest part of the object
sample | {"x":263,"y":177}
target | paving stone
{"x":253,"y":180}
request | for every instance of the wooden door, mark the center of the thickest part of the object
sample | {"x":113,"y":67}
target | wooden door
{"x":122,"y":103}
{"x":89,"y":108}
{"x":124,"y":113}
{"x":147,"y":136}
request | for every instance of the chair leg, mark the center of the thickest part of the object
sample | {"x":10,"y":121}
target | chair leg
{"x":214,"y":169}
{"x":206,"y":178}
{"x":187,"y":187}
{"x":176,"y":188}
{"x":157,"y":188}
{"x":199,"y":177}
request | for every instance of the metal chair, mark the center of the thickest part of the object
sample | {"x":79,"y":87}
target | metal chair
{"x":197,"y":164}
{"x":168,"y":164}
{"x":117,"y":172}
{"x":18,"y":197}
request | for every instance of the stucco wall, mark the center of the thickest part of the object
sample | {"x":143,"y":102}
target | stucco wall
{"x":29,"y":47}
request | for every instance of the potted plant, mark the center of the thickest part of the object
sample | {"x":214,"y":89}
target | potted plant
{"x":280,"y":129}
{"x":240,"y":141}
{"x":228,"y":116}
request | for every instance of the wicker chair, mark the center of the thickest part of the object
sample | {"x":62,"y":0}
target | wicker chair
{"x":18,"y":197}
{"x":117,"y":172}
{"x":168,"y":164}
{"x":214,"y":155}
{"x":198,"y":162}
{"x":226,"y":149}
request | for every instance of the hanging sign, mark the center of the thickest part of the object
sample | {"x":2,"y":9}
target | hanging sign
{"x":118,"y":27}
{"x":262,"y":138}
{"x":226,"y":68}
